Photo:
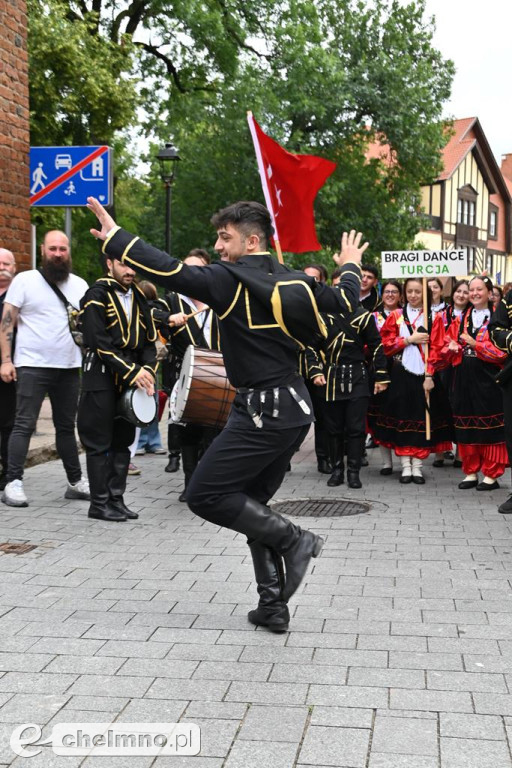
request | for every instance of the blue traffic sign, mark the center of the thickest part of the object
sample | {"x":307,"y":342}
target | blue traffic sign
{"x":67,"y":176}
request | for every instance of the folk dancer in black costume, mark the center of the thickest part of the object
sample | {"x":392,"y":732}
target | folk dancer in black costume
{"x":202,"y":330}
{"x":170,"y":369}
{"x":119,"y":335}
{"x":261,"y":305}
{"x":308,"y":368}
{"x":352,"y":342}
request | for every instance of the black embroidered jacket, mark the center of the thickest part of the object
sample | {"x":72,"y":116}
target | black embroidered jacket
{"x":352,"y":344}
{"x":259,"y":353}
{"x":117,"y":348}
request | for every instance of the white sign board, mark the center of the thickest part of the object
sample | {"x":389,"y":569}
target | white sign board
{"x":419,"y":264}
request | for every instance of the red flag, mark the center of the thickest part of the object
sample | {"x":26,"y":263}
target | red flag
{"x":290,"y":185}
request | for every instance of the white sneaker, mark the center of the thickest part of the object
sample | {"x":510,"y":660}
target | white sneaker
{"x":14,"y":495}
{"x":79,"y":490}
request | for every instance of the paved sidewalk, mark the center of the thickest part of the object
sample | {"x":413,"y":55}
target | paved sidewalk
{"x":398,"y":653}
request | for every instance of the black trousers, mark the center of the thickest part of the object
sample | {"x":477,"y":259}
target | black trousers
{"x":61,"y":385}
{"x":7,"y":413}
{"x":99,"y":429}
{"x":241,"y":463}
{"x":317,"y":395}
{"x":346,"y":419}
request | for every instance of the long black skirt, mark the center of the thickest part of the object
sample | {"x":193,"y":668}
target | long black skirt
{"x":398,"y":414}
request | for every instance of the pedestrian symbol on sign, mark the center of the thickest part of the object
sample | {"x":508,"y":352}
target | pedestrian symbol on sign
{"x":37,"y":178}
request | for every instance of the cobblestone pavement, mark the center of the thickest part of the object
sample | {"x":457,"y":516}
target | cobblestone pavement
{"x":398,"y":653}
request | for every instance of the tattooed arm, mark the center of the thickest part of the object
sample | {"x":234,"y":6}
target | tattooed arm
{"x":7,"y":325}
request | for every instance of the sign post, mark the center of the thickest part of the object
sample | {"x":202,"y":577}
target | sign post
{"x":424,"y":265}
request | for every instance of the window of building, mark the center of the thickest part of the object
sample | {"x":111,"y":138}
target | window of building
{"x":466,"y":206}
{"x":493,"y":223}
{"x":472,"y":210}
{"x":471,"y":259}
{"x":489,"y":263}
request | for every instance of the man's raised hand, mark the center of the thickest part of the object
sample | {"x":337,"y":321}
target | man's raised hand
{"x":105,"y":219}
{"x":350,"y":248}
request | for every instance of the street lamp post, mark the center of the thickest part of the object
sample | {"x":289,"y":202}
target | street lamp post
{"x":167,"y":157}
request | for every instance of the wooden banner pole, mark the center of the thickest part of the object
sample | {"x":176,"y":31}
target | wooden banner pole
{"x":425,"y":352}
{"x":279,"y":251}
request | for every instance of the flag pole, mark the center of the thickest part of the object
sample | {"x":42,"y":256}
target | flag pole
{"x":425,"y":351}
{"x":264,"y":184}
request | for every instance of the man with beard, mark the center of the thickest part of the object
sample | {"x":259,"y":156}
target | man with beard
{"x":46,"y":361}
{"x":119,"y":336}
{"x":7,"y":390}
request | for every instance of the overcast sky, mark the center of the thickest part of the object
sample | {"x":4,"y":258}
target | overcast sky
{"x":476,"y":35}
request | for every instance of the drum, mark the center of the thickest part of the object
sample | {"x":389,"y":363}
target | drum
{"x":136,"y":406}
{"x":202,"y":394}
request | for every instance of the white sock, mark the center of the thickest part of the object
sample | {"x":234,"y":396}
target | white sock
{"x":406,"y":465}
{"x":489,"y":480}
{"x":417,"y":465}
{"x":470,"y":478}
{"x":386,"y":457}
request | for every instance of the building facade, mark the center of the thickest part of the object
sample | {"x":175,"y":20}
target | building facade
{"x":469,"y":205}
{"x":15,"y":230}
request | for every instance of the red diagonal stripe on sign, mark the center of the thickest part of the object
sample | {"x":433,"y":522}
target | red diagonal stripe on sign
{"x":67,"y":175}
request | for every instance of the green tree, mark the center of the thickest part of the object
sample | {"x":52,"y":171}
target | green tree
{"x":322,"y":76}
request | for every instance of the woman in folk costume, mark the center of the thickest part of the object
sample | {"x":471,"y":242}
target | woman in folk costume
{"x":452,"y":311}
{"x":476,"y":398}
{"x":391,"y":300}
{"x":438,"y":304}
{"x":401,"y":424}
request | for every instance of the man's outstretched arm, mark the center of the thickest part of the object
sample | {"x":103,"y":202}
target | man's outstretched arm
{"x":200,"y":282}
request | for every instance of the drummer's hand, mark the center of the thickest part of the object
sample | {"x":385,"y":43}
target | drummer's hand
{"x":380,"y":386}
{"x":145,"y":381}
{"x":105,"y":219}
{"x":179,"y":318}
{"x":319,"y":381}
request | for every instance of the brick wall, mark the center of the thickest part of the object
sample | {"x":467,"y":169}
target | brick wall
{"x":14,"y":131}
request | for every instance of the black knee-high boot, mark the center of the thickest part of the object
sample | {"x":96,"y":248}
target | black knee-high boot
{"x":272,"y":611}
{"x":336,"y":453}
{"x":295,"y":545}
{"x":117,"y":483}
{"x":355,"y":450}
{"x":98,"y":470}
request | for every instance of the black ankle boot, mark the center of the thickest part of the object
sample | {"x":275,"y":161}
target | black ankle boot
{"x":324,"y":466}
{"x":353,"y":478}
{"x":98,"y":470}
{"x":119,"y":462}
{"x":336,"y":454}
{"x":272,"y":611}
{"x":295,"y":545}
{"x":174,"y":463}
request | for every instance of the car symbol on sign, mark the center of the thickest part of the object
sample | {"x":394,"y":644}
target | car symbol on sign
{"x":63,"y":161}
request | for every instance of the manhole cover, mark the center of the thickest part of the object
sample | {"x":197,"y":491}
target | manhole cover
{"x":16,"y":549}
{"x":321,"y":507}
